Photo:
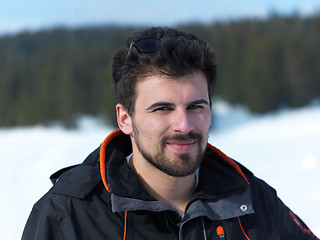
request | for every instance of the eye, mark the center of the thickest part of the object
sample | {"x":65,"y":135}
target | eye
{"x":194,"y":106}
{"x":161,"y":109}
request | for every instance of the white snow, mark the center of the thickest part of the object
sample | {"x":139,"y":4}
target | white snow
{"x":282,"y":148}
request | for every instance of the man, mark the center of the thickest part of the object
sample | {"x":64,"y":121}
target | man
{"x":157,"y":177}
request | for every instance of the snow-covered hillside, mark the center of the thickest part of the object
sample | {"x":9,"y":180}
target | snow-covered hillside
{"x":281,"y":148}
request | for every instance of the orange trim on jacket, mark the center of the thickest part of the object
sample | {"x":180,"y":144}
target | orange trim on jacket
{"x":103,"y":146}
{"x":228,"y":160}
{"x":306,"y":230}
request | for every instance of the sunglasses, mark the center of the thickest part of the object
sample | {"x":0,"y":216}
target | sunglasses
{"x":149,"y":45}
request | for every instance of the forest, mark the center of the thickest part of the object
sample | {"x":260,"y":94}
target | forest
{"x":60,"y":74}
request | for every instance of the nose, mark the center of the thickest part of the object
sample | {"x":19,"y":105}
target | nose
{"x":182,"y":121}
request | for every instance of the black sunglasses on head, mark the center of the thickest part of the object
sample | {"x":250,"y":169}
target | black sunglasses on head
{"x":149,"y":45}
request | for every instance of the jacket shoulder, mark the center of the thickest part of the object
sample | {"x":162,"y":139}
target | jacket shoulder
{"x":244,"y":169}
{"x":78,"y":180}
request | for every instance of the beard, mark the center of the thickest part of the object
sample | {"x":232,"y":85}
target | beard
{"x":179,"y":165}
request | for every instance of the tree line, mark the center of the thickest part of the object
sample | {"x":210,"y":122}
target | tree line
{"x":60,"y":74}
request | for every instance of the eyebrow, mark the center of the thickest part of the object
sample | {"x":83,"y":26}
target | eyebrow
{"x":200,"y":101}
{"x":168,"y":104}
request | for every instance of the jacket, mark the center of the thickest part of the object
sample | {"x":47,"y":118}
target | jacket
{"x":102,"y":198}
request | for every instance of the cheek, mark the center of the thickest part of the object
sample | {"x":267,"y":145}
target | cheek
{"x":207,"y":118}
{"x":202,"y":121}
{"x":155,"y":123}
{"x":150,"y":128}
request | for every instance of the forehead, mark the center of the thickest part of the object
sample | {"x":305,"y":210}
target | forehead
{"x":165,"y":88}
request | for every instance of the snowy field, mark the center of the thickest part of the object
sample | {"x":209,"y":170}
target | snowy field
{"x":282,"y":148}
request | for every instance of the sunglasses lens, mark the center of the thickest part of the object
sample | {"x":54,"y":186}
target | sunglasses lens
{"x":148,"y":45}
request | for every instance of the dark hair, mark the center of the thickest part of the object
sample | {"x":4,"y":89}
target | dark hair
{"x":177,"y":56}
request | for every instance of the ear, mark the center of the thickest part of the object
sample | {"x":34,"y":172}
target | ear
{"x":124,"y":119}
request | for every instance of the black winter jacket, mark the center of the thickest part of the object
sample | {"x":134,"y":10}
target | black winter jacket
{"x":102,"y":199}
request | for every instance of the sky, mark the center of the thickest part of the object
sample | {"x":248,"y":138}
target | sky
{"x":34,"y":15}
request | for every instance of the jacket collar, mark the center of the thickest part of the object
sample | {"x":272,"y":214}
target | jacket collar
{"x":222,"y":193}
{"x":118,"y":178}
{"x":222,"y":182}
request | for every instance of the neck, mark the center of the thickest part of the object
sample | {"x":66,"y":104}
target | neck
{"x":175,"y":191}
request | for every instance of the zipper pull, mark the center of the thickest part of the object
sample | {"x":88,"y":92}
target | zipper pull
{"x":220,"y":233}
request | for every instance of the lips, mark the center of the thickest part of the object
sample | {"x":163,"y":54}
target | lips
{"x":182,"y":145}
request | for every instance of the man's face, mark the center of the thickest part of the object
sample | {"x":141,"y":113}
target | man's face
{"x":171,"y":122}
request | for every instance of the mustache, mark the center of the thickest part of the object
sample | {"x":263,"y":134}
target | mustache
{"x":183,"y":137}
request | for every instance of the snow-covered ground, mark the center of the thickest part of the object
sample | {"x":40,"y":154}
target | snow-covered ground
{"x":282,"y":148}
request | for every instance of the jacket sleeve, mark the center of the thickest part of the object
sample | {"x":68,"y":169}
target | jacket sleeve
{"x":41,"y":225}
{"x":290,"y":226}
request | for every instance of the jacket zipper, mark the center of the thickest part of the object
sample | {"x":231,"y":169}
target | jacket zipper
{"x":203,"y":229}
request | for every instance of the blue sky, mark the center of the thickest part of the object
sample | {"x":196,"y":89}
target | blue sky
{"x":18,"y":15}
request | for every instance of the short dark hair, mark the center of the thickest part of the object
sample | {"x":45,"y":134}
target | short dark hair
{"x":177,"y":56}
